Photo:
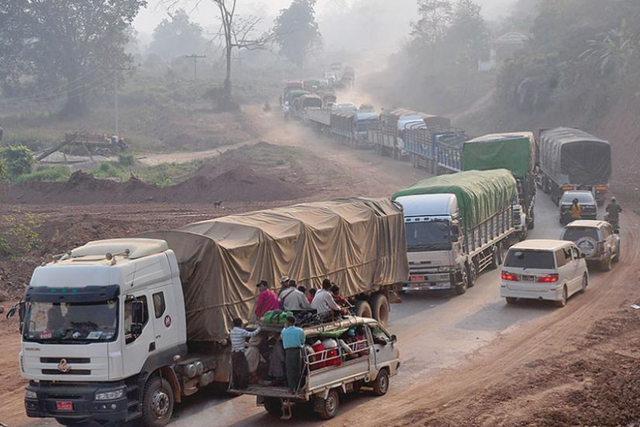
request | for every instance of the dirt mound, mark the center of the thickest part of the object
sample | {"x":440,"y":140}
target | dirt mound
{"x":238,"y":184}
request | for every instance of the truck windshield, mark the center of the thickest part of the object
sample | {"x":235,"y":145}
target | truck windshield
{"x":428,"y":236}
{"x":57,"y":323}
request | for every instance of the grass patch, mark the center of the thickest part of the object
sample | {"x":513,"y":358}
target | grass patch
{"x":54,"y":174}
{"x":166,"y":174}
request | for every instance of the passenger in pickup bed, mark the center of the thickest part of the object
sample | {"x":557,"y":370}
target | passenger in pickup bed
{"x":292,"y":341}
{"x":324,"y":303}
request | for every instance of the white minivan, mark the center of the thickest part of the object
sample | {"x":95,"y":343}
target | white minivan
{"x":550,"y":270}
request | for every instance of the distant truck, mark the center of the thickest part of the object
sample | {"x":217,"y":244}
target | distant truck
{"x":120,"y":330}
{"x":571,"y":159}
{"x":351,"y":128}
{"x":516,"y":152}
{"x":433,"y":144}
{"x":301,"y":103}
{"x":457,"y":226}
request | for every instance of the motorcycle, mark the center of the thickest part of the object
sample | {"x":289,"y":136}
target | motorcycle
{"x":267,"y":107}
{"x":615,"y":222}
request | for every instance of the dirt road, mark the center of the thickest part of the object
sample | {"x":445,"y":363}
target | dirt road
{"x":452,"y":348}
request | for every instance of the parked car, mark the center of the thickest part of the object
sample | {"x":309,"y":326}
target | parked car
{"x":330,"y":371}
{"x":585,"y":199}
{"x":550,"y":270}
{"x":597,"y":240}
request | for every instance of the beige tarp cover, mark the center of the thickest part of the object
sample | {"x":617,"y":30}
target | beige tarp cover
{"x":358,"y":243}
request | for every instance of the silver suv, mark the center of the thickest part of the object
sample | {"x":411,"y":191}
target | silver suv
{"x":597,"y":241}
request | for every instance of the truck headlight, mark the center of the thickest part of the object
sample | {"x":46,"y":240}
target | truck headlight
{"x":28,"y":394}
{"x":110,"y":395}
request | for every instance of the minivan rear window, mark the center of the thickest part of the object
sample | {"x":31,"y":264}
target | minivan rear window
{"x":530,"y":259}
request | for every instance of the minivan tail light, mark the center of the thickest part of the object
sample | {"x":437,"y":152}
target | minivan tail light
{"x":509,"y":277}
{"x":551,"y":278}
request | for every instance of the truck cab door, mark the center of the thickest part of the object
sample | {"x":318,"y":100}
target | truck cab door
{"x":384,"y":348}
{"x":136,"y":348}
{"x":163,"y":312}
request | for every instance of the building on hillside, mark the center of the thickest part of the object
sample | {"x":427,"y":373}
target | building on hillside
{"x":503,"y":48}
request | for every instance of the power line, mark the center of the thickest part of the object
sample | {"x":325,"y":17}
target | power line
{"x":195,"y":64}
{"x":43,"y":94}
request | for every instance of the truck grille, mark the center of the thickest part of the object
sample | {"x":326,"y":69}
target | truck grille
{"x":71,"y":372}
{"x":57,"y":360}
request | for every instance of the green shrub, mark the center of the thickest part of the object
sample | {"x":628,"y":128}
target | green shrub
{"x":3,"y":171}
{"x":110,"y":170}
{"x":17,"y":159}
{"x":126,"y":159}
{"x":18,"y":233}
{"x":54,"y":174}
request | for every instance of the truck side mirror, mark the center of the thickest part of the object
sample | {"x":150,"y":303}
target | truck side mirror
{"x":137,"y":317}
{"x":12,"y":311}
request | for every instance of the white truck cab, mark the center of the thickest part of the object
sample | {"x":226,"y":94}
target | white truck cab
{"x":98,"y":325}
{"x":434,"y":245}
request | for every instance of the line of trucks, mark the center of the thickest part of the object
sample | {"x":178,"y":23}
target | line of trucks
{"x":121,"y":330}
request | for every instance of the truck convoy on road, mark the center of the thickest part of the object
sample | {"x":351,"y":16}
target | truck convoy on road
{"x":571,"y":159}
{"x":513,"y":151}
{"x":120,"y":330}
{"x":457,"y":226}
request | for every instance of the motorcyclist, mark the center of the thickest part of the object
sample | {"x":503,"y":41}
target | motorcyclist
{"x":613,"y":211}
{"x":575,"y":210}
{"x":267,"y":106}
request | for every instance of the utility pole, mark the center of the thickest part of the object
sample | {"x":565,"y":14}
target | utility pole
{"x":195,"y":64}
{"x":115,"y":97}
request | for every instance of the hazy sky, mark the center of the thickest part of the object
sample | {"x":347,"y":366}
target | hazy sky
{"x":205,"y":13}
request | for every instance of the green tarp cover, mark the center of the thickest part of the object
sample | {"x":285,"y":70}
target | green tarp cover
{"x":480,"y":194}
{"x":513,"y":151}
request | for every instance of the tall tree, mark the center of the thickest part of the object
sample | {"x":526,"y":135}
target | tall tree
{"x":177,"y":36}
{"x":435,"y":18}
{"x":468,"y":35}
{"x":71,"y":46}
{"x":296,"y":31}
{"x":237,"y":33}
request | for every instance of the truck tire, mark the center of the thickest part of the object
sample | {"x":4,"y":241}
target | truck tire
{"x":157,"y":403}
{"x":380,"y":308}
{"x":381,"y":384}
{"x":467,"y":281}
{"x":496,"y":257}
{"x":71,"y":422}
{"x":273,"y":406}
{"x":363,"y":309}
{"x":329,"y":407}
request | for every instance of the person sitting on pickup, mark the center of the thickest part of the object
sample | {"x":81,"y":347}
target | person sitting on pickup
{"x":317,"y":360}
{"x":613,"y":210}
{"x":253,"y":356}
{"x":277,"y":363}
{"x":361,"y":341}
{"x":347,"y":344}
{"x":312,"y":293}
{"x":240,"y":367}
{"x":576,"y":210}
{"x":267,"y":300}
{"x":291,"y":299}
{"x":323,"y":302}
{"x":335,"y":290}
{"x":332,"y":357}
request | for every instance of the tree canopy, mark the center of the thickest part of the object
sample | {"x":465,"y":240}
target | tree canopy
{"x":177,"y":36}
{"x":296,"y":31}
{"x":52,"y":50}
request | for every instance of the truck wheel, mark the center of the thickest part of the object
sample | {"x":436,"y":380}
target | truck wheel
{"x":496,"y":257}
{"x":380,"y":307}
{"x":329,"y":407}
{"x":71,"y":422}
{"x":532,"y":223}
{"x":157,"y":403}
{"x":381,"y":384}
{"x":462,"y":287}
{"x":363,"y":309}
{"x":273,"y":406}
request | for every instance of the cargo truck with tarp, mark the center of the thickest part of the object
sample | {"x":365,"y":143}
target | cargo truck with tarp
{"x":515,"y":151}
{"x":457,"y":226}
{"x":120,"y":330}
{"x":351,"y":128}
{"x":571,"y":159}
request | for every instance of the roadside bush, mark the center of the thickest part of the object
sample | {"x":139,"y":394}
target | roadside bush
{"x":110,"y":170}
{"x":17,"y":160}
{"x":126,"y":159}
{"x":3,"y":171}
{"x":54,"y":174}
{"x":18,"y":233}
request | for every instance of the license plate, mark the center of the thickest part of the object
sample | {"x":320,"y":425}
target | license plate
{"x":418,"y":278}
{"x":528,"y":278}
{"x":439,"y":287}
{"x":63,"y":406}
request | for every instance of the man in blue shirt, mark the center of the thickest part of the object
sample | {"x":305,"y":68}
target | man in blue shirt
{"x":292,"y":341}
